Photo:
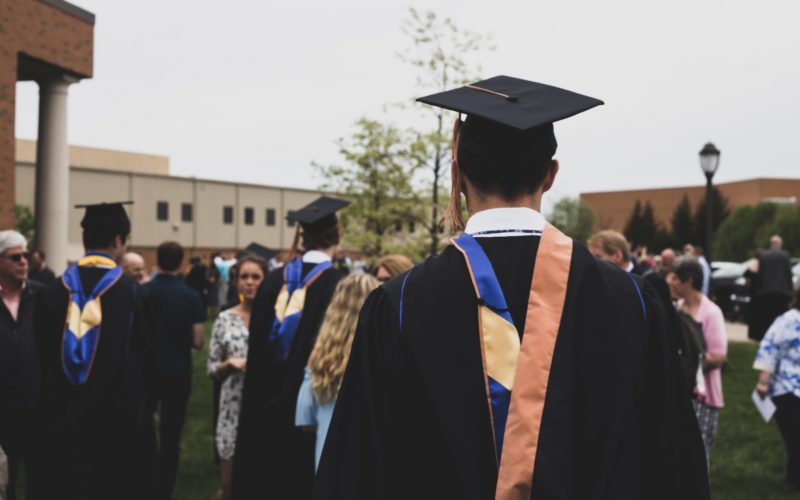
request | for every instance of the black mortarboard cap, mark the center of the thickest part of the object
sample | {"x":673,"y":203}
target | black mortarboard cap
{"x":513,"y":102}
{"x":265,"y":253}
{"x":319,"y":215}
{"x":509,"y":122}
{"x":106,"y":216}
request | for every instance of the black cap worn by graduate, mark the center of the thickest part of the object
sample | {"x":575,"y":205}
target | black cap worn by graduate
{"x":510,"y":117}
{"x":319,"y":215}
{"x":106,"y":216}
{"x":265,"y":253}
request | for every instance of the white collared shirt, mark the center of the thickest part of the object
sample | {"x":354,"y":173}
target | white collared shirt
{"x":316,"y":257}
{"x":507,"y":221}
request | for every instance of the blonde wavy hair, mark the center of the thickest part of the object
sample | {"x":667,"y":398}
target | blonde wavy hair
{"x":395,"y":265}
{"x":332,"y":350}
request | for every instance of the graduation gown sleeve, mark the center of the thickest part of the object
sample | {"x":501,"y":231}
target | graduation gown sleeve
{"x":356,"y":459}
{"x":671,"y":448}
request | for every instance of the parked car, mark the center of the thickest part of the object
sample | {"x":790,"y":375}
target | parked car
{"x":730,"y":288}
{"x":796,"y":276}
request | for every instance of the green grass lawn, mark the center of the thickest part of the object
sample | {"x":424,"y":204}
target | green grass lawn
{"x":748,"y":461}
{"x":197,"y":473}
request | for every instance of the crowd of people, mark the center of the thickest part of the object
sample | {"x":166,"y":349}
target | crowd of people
{"x":516,"y":363}
{"x":773,"y":320}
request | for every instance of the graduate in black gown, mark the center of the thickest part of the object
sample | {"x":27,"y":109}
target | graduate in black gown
{"x":559,"y":382}
{"x":93,"y":330}
{"x":273,"y":457}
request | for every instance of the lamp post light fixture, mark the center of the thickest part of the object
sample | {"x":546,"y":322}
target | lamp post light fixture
{"x":709,"y":162}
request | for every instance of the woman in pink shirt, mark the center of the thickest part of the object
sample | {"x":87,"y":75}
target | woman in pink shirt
{"x":685,"y":282}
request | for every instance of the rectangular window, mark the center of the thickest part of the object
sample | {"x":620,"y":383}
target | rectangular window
{"x":186,"y":212}
{"x":289,"y":222}
{"x":248,"y":216}
{"x":412,"y":226}
{"x":270,"y":216}
{"x":162,"y":210}
{"x":398,"y":226}
{"x":227,"y":214}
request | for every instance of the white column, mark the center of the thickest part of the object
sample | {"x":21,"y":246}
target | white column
{"x":52,"y":173}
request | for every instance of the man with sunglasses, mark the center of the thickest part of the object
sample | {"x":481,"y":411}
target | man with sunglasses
{"x":19,"y":374}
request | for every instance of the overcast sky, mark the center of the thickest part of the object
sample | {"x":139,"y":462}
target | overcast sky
{"x":255,"y":91}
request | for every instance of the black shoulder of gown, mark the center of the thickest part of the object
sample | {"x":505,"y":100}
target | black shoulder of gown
{"x":97,"y":439}
{"x":412,"y":419}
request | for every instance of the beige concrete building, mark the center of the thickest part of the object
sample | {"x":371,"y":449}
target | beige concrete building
{"x":202,"y":215}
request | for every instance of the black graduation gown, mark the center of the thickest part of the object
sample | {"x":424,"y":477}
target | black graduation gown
{"x":96,"y":440}
{"x":273,"y":458}
{"x":412,"y":420}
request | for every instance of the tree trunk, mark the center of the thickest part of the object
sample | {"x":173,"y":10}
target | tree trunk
{"x":437,"y":165}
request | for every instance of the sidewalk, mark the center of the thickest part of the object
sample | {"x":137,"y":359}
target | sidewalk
{"x":737,"y":332}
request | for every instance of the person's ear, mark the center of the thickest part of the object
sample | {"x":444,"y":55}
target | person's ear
{"x":619,"y":258}
{"x":550,"y":178}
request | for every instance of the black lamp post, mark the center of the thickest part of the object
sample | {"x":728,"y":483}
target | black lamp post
{"x":709,"y":162}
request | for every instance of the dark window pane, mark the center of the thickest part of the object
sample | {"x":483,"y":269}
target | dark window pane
{"x":270,"y":216}
{"x":227,"y":214}
{"x":248,"y":216}
{"x":186,"y":212}
{"x":398,"y":226}
{"x":290,"y":222}
{"x":162,"y":210}
{"x":412,"y":226}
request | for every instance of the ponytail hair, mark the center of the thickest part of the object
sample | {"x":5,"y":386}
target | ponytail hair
{"x":454,"y":220}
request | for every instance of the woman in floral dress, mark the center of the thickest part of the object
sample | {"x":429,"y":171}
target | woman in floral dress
{"x":778,"y":361}
{"x":227,"y":357}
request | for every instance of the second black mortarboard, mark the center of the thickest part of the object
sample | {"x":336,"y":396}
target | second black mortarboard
{"x":265,"y":253}
{"x":106,"y":216}
{"x":319,"y":215}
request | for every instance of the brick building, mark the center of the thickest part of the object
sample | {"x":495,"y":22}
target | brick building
{"x":50,"y":42}
{"x":614,"y":208}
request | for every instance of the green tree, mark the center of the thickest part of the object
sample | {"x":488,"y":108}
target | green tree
{"x":633,"y":228}
{"x":747,"y":228}
{"x":376,"y":178}
{"x":662,"y":239}
{"x":574,"y":217}
{"x":24,"y":222}
{"x":649,"y":227}
{"x":641,"y":228}
{"x":438,"y":51}
{"x":787,"y":224}
{"x":719,"y":212}
{"x":682,"y":223}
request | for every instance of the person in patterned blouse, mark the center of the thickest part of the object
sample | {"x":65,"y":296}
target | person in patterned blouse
{"x":778,"y":360}
{"x":227,"y":357}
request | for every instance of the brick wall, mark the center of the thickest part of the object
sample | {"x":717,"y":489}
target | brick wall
{"x":53,"y":33}
{"x":613,"y":208}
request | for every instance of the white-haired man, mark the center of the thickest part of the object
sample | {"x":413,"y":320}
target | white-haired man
{"x":19,"y":374}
